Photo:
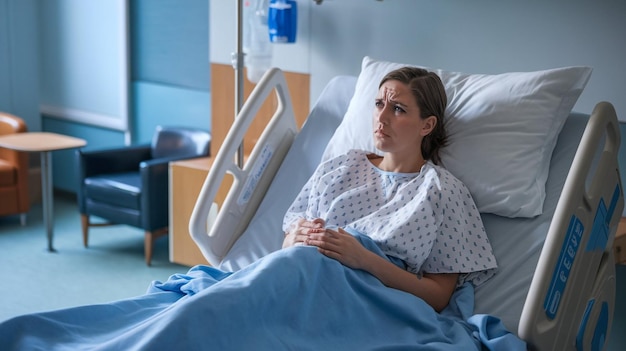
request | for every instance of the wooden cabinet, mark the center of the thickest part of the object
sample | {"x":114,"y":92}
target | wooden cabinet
{"x":223,"y":104}
{"x":186,"y":179}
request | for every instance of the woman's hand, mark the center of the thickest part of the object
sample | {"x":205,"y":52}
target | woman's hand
{"x":340,"y":245}
{"x":299,"y":231}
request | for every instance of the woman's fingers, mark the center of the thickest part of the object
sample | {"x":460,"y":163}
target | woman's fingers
{"x":318,"y":222}
{"x":327,"y":239}
{"x":303,"y":229}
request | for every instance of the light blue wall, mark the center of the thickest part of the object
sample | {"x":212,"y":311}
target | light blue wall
{"x":84,"y":66}
{"x":161,"y":104}
{"x":170,"y":42}
{"x":169,"y":79}
{"x":19,"y":71}
{"x":477,"y":36}
{"x":170,"y":65}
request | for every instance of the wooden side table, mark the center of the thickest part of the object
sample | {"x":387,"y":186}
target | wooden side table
{"x":619,"y":245}
{"x":186,"y":180}
{"x":44,"y":143}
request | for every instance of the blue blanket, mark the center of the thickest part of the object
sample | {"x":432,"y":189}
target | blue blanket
{"x":293,"y":299}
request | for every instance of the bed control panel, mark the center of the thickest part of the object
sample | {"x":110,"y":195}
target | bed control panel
{"x":562,"y":271}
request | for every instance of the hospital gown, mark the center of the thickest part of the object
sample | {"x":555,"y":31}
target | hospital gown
{"x":427,"y":219}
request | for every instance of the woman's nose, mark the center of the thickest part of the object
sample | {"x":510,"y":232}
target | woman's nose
{"x":381,"y":116}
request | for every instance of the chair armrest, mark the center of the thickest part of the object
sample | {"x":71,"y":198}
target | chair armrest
{"x":156,"y":162}
{"x":155,"y":193}
{"x":19,"y":160}
{"x":121,"y":159}
{"x":155,"y":190}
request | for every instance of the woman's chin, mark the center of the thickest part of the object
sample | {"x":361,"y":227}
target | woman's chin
{"x":379,"y":145}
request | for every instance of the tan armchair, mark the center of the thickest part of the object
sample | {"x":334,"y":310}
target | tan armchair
{"x":14,"y":197}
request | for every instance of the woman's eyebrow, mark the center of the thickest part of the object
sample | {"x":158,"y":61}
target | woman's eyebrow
{"x":396,"y":102}
{"x":393,"y":101}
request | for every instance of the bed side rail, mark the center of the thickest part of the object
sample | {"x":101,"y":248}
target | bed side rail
{"x":570,"y":302}
{"x":251,"y":181}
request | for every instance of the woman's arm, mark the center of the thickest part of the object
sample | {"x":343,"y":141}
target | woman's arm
{"x":435,"y":289}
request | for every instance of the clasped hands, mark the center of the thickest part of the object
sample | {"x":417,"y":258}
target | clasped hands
{"x":337,"y":244}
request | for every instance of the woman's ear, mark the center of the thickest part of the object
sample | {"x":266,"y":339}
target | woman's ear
{"x":429,"y":125}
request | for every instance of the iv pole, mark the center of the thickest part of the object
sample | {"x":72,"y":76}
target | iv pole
{"x":237,"y":61}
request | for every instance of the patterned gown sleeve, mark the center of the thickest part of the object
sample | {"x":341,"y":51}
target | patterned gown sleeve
{"x":462,"y":245}
{"x":306,"y":203}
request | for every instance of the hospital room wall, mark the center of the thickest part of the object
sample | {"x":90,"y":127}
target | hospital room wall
{"x":478,"y":36}
{"x":18,"y":60}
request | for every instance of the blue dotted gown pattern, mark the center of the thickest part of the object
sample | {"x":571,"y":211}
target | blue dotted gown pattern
{"x":427,"y":219}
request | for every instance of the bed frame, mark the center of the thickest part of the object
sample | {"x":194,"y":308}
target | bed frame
{"x":576,"y":302}
{"x":251,"y":181}
{"x":570,"y":301}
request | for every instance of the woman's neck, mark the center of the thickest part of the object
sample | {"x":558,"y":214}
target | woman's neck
{"x":390,"y":164}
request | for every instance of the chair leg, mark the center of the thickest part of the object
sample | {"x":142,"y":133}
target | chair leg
{"x":23,"y":219}
{"x":148,"y":242}
{"x":84,"y":219}
{"x":149,"y":239}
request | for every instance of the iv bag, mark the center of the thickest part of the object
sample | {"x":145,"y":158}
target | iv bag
{"x":256,"y":42}
{"x":283,"y":21}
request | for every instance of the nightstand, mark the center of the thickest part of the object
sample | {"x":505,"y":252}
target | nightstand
{"x":186,"y":180}
{"x":619,"y":245}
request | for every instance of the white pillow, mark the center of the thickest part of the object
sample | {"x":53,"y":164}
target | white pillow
{"x":501,"y":129}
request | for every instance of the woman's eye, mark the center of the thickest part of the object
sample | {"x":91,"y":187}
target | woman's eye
{"x":398,"y":109}
{"x":378,"y":103}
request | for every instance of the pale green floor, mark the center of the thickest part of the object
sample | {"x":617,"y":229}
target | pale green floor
{"x":112,"y":268}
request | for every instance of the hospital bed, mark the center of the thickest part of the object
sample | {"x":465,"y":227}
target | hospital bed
{"x":555,"y":287}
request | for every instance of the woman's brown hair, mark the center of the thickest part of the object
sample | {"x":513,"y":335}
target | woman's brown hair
{"x":430,"y":95}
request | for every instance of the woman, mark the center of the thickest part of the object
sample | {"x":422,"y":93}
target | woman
{"x":422,"y":214}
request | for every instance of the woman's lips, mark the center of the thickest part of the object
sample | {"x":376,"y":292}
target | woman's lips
{"x":380,"y":133}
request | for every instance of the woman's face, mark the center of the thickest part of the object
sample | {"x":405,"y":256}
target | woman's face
{"x":398,"y":127}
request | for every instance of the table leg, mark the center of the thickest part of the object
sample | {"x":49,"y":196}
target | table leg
{"x":46,"y":189}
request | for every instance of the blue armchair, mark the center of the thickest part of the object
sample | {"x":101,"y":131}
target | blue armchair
{"x":130,"y":185}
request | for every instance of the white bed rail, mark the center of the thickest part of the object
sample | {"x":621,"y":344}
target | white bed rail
{"x":251,"y":181}
{"x":570,"y":302}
